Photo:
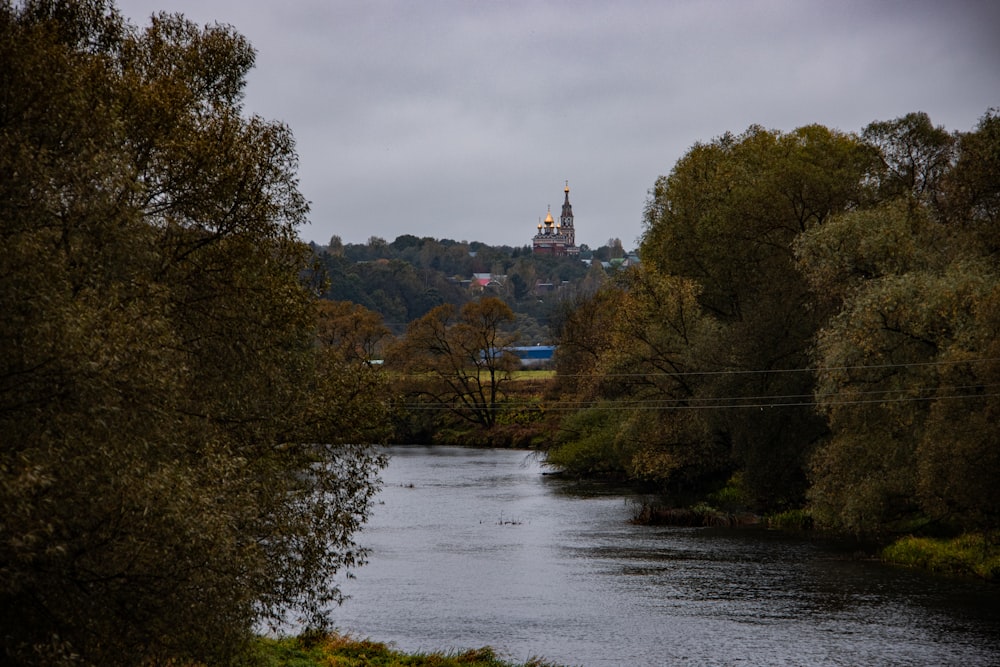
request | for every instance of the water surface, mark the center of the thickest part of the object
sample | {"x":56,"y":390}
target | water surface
{"x":477,"y":547}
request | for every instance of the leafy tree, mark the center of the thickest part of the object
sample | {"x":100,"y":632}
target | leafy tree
{"x":630,"y":355}
{"x":844,"y":255}
{"x":161,"y":386}
{"x":908,"y":358}
{"x":583,"y":328}
{"x":727,"y":214}
{"x":595,"y":278}
{"x":406,"y":241}
{"x":914,"y":154}
{"x":726,"y":218}
{"x":614,"y":249}
{"x":352,"y":331}
{"x":662,"y":341}
{"x":520,"y":285}
{"x":902,"y":360}
{"x":336,"y":247}
{"x":958,"y":457}
{"x":589,"y":442}
{"x":972,"y":187}
{"x":461,"y":356}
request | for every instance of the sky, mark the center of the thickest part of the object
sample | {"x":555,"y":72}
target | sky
{"x":465,"y":119}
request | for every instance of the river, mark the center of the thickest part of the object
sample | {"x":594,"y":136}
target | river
{"x":471,"y":548}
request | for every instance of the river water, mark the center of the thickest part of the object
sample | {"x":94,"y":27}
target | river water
{"x":471,"y":548}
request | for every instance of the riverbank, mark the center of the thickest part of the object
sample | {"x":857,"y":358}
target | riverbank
{"x":969,"y":555}
{"x":524,"y":420}
{"x":333,"y":650}
{"x":973,"y":554}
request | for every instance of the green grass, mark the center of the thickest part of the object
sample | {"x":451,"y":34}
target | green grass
{"x":339,"y":651}
{"x":796,"y":520}
{"x":540,"y":374}
{"x":971,"y":554}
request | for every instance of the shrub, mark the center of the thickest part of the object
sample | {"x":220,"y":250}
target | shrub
{"x":974,"y":553}
{"x":791,"y":520}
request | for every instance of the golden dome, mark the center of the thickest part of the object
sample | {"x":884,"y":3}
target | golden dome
{"x":548,"y":219}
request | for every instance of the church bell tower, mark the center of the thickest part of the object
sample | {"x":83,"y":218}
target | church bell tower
{"x":566,"y":220}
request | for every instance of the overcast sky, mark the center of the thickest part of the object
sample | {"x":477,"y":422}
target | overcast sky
{"x":464,"y":119}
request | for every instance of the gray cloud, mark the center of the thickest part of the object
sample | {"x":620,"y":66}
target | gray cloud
{"x":463,"y":119}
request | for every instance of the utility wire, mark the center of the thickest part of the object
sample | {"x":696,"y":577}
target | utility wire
{"x":772,"y":398}
{"x":787,"y":370}
{"x":770,"y":371}
{"x":716,"y":403}
{"x":868,"y":397}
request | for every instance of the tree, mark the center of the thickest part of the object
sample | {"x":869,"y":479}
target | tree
{"x":908,"y":358}
{"x":632,"y":352}
{"x":914,"y":156}
{"x":351,"y":330}
{"x":727,"y":218}
{"x":336,"y":247}
{"x":972,"y":188}
{"x":729,"y":211}
{"x":901,"y":362}
{"x":583,"y":328}
{"x":615,"y":249}
{"x":461,"y":359}
{"x":162,"y":392}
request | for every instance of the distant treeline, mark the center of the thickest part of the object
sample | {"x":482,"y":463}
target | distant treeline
{"x":404,"y":279}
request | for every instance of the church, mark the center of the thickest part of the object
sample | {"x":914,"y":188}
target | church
{"x":557,"y":239}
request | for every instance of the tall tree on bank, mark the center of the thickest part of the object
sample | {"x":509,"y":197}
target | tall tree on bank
{"x":910,"y":359}
{"x":630,"y":355}
{"x":726,"y":218}
{"x":458,"y":360}
{"x":162,"y":389}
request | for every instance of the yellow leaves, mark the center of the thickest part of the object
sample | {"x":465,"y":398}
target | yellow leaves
{"x":351,"y":331}
{"x":653,"y":464}
{"x":461,"y":358}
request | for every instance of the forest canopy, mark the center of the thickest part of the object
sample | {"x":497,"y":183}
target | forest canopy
{"x":162,"y":385}
{"x":814,"y":323}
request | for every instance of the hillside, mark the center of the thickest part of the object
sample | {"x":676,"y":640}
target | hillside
{"x":404,"y":279}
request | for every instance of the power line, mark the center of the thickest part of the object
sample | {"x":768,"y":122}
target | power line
{"x":670,"y":405}
{"x":769,"y":371}
{"x":811,"y":397}
{"x":756,"y":401}
{"x":809,"y":369}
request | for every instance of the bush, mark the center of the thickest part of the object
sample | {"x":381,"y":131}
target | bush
{"x":792,"y":520}
{"x":971,"y":554}
{"x":587,"y":444}
{"x":340,"y":651}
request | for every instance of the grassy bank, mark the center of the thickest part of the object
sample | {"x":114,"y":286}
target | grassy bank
{"x":534,"y":374}
{"x":339,"y":651}
{"x":972,"y":554}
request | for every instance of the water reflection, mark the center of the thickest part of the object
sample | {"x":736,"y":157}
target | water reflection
{"x":477,"y":547}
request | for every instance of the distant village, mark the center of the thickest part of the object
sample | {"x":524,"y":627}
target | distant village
{"x":404,"y":278}
{"x":554,"y":239}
